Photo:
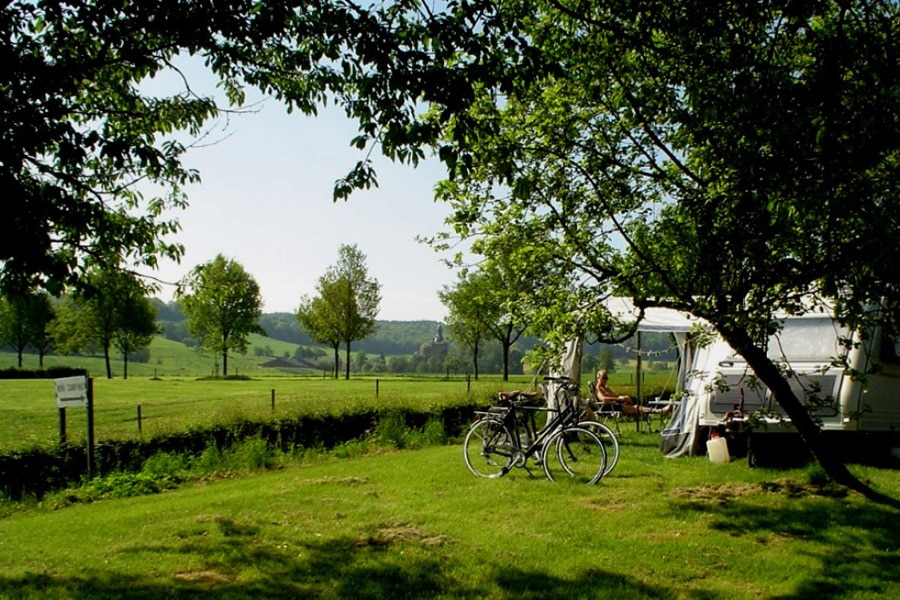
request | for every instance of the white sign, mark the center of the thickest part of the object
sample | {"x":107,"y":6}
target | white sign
{"x":71,"y":391}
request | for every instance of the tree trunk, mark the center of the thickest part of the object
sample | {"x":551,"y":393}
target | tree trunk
{"x":225,"y":362}
{"x":337,"y":360}
{"x":475,"y":359}
{"x":124,"y":365}
{"x":505,"y":360}
{"x":106,"y":360}
{"x":347,"y":366}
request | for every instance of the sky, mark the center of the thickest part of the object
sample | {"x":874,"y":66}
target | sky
{"x":265,"y":201}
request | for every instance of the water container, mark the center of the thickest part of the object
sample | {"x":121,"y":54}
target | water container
{"x":717,"y":449}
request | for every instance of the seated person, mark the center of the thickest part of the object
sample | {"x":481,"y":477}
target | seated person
{"x":624,"y":403}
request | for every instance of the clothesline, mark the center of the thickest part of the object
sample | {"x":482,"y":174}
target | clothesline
{"x":635,"y":350}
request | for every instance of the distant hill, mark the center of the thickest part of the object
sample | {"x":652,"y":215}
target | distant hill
{"x":390,"y":337}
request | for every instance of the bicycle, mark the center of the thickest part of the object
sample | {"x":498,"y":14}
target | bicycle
{"x":567,"y":394}
{"x":506,"y":436}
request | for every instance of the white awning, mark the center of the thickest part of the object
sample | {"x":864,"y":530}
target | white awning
{"x":655,"y":319}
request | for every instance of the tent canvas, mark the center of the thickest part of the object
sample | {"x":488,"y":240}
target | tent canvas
{"x":655,"y":319}
{"x":660,"y":320}
{"x":679,"y":438}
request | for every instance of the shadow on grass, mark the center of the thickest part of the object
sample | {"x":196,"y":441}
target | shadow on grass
{"x":241,"y":564}
{"x":854,"y":543}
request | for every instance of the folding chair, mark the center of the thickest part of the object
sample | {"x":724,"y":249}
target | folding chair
{"x":604,"y":411}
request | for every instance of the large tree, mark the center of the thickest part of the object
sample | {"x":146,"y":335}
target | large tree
{"x":318,"y":316}
{"x":730,"y":160}
{"x":77,"y":135}
{"x":346,"y":305}
{"x":222,"y":304}
{"x":81,"y":130}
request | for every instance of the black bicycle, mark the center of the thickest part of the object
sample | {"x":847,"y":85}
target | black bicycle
{"x":506,"y":436}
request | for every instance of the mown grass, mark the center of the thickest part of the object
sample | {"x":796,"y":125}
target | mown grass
{"x":415,"y":523}
{"x":29,"y":417}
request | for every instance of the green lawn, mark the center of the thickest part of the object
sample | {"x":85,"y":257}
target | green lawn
{"x":29,"y":417}
{"x":413,"y":524}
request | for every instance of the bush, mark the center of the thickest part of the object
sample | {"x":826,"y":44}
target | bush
{"x":391,"y":430}
{"x":166,"y":464}
{"x":249,"y":455}
{"x":238,"y":446}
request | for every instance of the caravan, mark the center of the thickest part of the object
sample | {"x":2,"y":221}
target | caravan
{"x":722,"y":396}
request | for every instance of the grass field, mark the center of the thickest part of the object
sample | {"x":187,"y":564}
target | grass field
{"x":167,"y":359}
{"x":416,"y":524}
{"x":29,"y":417}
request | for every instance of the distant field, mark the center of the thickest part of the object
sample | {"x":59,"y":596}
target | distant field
{"x":29,"y":417}
{"x":167,"y":359}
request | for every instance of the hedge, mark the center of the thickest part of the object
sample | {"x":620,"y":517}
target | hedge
{"x":39,"y":471}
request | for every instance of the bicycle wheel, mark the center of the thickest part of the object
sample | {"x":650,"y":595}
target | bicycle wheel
{"x":609,"y":439}
{"x":575,"y":452}
{"x":488,"y":448}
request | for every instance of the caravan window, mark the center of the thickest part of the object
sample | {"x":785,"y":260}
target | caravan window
{"x":809,"y":339}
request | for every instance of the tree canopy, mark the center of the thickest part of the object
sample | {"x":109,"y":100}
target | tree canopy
{"x":109,"y":309}
{"x":486,"y":303}
{"x":222,"y":304}
{"x":346,"y":305}
{"x":24,"y":322}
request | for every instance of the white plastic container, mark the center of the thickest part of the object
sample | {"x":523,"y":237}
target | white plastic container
{"x":717,"y":450}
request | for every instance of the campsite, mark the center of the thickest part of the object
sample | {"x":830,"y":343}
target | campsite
{"x":724,"y":173}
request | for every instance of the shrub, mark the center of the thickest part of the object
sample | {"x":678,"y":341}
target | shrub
{"x":250,"y":454}
{"x":166,"y":464}
{"x":434,"y":434}
{"x":391,"y":430}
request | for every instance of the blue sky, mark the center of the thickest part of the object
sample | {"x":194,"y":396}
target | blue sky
{"x":265,"y":200}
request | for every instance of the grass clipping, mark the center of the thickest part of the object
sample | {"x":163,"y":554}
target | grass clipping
{"x":721,"y":494}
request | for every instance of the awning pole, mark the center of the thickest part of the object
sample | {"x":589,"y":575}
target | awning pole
{"x":638,"y":389}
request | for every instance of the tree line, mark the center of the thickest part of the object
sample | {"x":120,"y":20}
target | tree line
{"x":114,"y":313}
{"x":219,"y":300}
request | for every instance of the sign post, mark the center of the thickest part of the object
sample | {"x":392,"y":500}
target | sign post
{"x":77,"y":392}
